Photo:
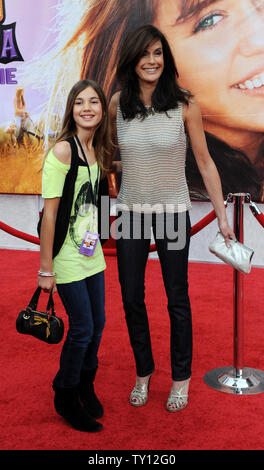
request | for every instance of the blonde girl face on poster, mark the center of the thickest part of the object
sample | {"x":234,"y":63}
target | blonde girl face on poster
{"x":218,"y":46}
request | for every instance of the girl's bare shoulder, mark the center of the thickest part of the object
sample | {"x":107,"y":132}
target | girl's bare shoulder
{"x":62,"y":151}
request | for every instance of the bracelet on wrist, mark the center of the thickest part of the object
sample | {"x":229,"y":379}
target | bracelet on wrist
{"x":41,"y":273}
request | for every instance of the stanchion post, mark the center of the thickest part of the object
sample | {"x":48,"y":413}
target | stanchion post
{"x":238,"y":296}
{"x":238,"y":380}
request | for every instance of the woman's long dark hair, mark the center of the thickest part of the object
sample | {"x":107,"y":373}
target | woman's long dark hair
{"x":167,"y":93}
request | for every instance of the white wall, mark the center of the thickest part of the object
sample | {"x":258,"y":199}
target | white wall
{"x":22,"y":212}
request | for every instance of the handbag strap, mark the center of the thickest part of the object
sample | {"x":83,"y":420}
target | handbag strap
{"x":35,"y":298}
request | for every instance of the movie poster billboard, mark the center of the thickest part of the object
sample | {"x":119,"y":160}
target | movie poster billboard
{"x":218,"y":45}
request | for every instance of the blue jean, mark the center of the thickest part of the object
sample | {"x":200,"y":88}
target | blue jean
{"x":132,"y":255}
{"x":84,"y":302}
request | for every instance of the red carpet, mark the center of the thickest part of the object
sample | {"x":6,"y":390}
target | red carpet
{"x":212,"y":420}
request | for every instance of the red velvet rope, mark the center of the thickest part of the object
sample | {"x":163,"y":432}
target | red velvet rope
{"x":107,"y":251}
{"x":260,"y":219}
{"x":257,"y":213}
{"x":203,"y":222}
{"x":112,"y":251}
{"x":18,"y":234}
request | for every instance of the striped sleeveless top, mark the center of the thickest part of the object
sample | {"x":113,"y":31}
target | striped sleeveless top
{"x":153,"y":154}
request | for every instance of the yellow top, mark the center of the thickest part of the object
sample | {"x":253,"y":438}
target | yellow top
{"x":69,"y":265}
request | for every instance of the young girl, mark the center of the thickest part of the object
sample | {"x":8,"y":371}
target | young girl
{"x":71,"y":176}
{"x":150,"y":116}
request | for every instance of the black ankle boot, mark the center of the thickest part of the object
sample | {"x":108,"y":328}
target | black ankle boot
{"x":87,"y":394}
{"x":67,"y":404}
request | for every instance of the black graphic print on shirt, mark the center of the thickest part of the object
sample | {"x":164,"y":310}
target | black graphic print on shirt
{"x":84,"y":213}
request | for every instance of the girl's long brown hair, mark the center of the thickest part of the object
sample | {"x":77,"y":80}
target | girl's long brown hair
{"x":102,"y":140}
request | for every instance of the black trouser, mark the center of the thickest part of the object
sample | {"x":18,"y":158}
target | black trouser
{"x":132,"y":255}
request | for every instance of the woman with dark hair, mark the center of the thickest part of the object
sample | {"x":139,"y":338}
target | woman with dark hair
{"x":149,"y":118}
{"x":72,"y":173}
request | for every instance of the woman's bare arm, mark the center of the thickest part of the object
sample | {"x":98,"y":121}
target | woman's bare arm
{"x":206,"y":165}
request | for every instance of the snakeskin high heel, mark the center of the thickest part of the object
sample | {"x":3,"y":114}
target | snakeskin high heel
{"x":139,"y":394}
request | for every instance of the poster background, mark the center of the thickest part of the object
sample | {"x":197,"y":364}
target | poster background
{"x":33,"y":28}
{"x":20,"y":165}
{"x":37,"y":33}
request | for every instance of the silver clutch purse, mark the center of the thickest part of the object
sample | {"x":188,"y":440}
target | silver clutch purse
{"x":237,"y":255}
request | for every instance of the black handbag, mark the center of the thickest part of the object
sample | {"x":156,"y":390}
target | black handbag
{"x":45,"y":326}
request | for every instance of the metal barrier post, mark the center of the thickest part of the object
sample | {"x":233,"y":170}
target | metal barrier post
{"x":238,"y":380}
